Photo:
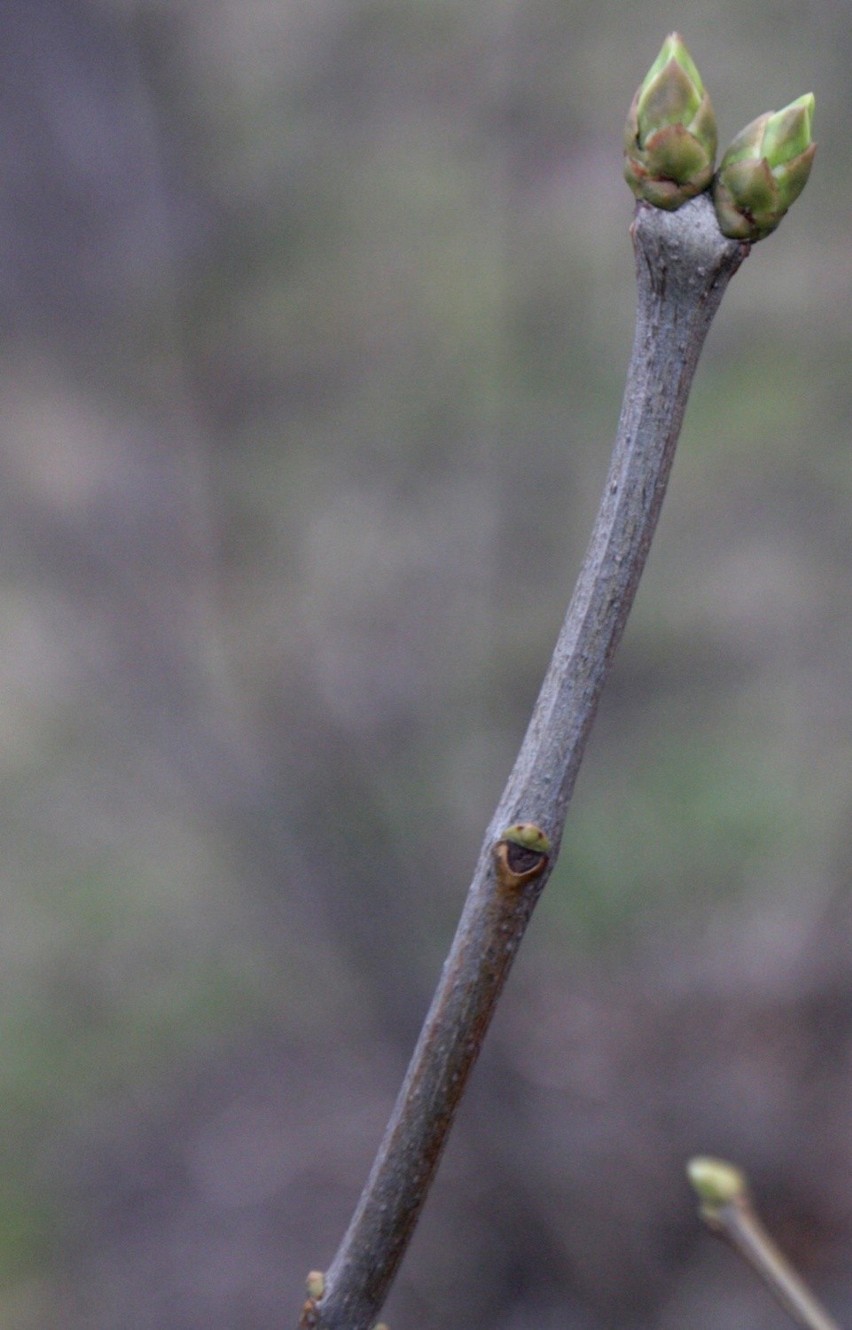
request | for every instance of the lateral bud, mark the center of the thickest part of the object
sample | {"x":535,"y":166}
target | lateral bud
{"x":522,"y":853}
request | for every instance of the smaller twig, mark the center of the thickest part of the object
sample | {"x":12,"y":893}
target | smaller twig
{"x":728,"y":1210}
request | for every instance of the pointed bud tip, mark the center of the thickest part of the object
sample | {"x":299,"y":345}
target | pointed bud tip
{"x":788,"y":132}
{"x":807,"y":101}
{"x":671,"y":92}
{"x":675,"y":48}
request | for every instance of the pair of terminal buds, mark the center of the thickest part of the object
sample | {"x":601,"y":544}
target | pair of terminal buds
{"x":670,"y":149}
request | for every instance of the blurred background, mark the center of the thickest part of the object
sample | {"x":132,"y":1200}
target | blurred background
{"x":316,"y":317}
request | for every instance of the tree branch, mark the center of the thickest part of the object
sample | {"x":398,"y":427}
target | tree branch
{"x":683,"y":265}
{"x":727,"y":1209}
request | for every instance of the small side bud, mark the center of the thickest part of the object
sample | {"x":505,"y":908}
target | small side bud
{"x":765,"y":170}
{"x":315,"y":1284}
{"x":528,"y":836}
{"x":715,"y":1181}
{"x":314,"y":1287}
{"x":522,"y":853}
{"x":670,"y":136}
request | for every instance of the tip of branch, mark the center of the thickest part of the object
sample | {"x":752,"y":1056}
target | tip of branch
{"x":715,"y":1181}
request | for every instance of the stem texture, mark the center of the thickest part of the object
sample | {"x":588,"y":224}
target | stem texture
{"x":683,"y":265}
{"x":740,"y":1225}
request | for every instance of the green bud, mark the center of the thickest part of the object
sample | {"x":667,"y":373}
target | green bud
{"x":528,"y":836}
{"x":670,"y":135}
{"x":716,"y":1181}
{"x":315,"y":1284}
{"x":522,"y":854}
{"x":765,"y":170}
